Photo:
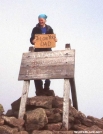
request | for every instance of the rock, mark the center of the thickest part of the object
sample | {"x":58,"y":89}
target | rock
{"x":93,"y":118}
{"x":40,"y":101}
{"x":58,"y":110}
{"x":53,"y":115}
{"x":15,"y":105}
{"x":81,"y":116}
{"x":84,"y":128}
{"x":58,"y":102}
{"x":31,"y":126}
{"x":15,"y":114}
{"x":52,"y":111}
{"x":79,"y":127}
{"x":71,"y":119}
{"x":53,"y":126}
{"x":96,"y":121}
{"x":48,"y":112}
{"x":9,"y":113}
{"x":22,"y":132}
{"x":87,"y":122}
{"x":12,"y":113}
{"x":49,"y":92}
{"x":102,"y":118}
{"x":1,"y":109}
{"x":99,"y":124}
{"x":35,"y":119}
{"x":95,"y":128}
{"x":77,"y":121}
{"x":42,"y":132}
{"x":73,"y":112}
{"x":12,"y":121}
{"x":7,"y":130}
{"x":34,"y":102}
{"x":54,"y":118}
{"x":1,"y":121}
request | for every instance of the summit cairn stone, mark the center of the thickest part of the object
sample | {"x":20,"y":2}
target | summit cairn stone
{"x":44,"y":116}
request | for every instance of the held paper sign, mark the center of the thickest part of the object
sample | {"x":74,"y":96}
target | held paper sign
{"x":45,"y":40}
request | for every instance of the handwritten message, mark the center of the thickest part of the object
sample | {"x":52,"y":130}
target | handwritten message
{"x":45,"y":40}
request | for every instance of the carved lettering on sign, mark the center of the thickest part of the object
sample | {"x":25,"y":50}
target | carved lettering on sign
{"x":45,"y":40}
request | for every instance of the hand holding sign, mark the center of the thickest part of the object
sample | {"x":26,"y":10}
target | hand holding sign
{"x":45,"y":40}
{"x":34,"y":41}
{"x":56,"y":40}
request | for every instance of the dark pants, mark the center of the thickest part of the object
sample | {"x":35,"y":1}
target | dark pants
{"x":39,"y":83}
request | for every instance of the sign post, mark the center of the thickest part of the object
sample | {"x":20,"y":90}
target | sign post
{"x":58,"y":64}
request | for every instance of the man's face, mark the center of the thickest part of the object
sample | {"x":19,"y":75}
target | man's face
{"x":42,"y":21}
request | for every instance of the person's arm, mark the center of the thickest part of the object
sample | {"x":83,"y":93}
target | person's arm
{"x":52,"y":32}
{"x":32,"y":39}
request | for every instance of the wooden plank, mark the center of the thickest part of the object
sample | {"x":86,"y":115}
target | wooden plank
{"x":66,"y":99}
{"x":66,"y":103}
{"x":47,"y":62}
{"x":53,"y":72}
{"x":45,"y":40}
{"x":42,"y":65}
{"x":24,"y":99}
{"x":48,"y":54}
{"x":31,"y":49}
{"x":73,"y":86}
{"x":73,"y":92}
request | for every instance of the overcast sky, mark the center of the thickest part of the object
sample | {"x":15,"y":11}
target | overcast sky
{"x":78,"y":22}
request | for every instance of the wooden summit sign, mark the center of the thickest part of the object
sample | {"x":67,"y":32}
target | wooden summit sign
{"x":45,"y":40}
{"x":47,"y":65}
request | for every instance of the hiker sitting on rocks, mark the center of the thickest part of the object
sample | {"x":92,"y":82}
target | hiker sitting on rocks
{"x":42,"y":28}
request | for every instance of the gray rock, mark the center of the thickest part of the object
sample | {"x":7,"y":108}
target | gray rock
{"x":12,"y":121}
{"x":55,"y":118}
{"x":22,"y":132}
{"x":53,"y":126}
{"x":40,"y":101}
{"x":7,"y":130}
{"x":35,"y":119}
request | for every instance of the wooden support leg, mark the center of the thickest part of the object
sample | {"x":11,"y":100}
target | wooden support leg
{"x":24,"y":99}
{"x":73,"y":92}
{"x":66,"y":103}
{"x":73,"y":87}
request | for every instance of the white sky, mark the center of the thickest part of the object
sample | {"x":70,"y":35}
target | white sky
{"x":78,"y":22}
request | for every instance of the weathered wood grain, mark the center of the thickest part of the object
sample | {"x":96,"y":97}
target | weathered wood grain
{"x":54,"y":72}
{"x":24,"y":99}
{"x":66,"y":94}
{"x":43,"y":72}
{"x":47,"y":62}
{"x":66,"y":103}
{"x":48,"y":54}
{"x":43,"y":65}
